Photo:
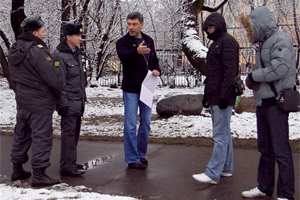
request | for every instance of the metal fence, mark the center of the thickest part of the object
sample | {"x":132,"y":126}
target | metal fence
{"x":176,"y":72}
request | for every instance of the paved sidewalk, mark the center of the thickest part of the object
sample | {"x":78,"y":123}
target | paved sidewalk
{"x":168,"y":176}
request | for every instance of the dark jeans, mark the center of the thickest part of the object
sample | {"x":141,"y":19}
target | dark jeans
{"x":273,"y":144}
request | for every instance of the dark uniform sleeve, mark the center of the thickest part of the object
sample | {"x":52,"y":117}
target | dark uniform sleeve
{"x":45,"y":67}
{"x":63,"y":102}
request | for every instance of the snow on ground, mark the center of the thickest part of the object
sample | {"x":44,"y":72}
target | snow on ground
{"x":58,"y":192}
{"x":103,"y":116}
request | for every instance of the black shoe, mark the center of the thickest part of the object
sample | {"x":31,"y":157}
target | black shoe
{"x":80,"y":166}
{"x":71,"y":173}
{"x":144,"y":161}
{"x":137,"y":165}
{"x":19,"y":173}
{"x":40,"y":179}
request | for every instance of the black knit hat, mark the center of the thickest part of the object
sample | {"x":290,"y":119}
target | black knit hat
{"x":72,"y":29}
{"x":32,"y":23}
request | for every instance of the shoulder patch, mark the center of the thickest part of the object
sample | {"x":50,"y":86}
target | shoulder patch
{"x":40,"y":46}
{"x":56,"y":64}
{"x":48,"y":58}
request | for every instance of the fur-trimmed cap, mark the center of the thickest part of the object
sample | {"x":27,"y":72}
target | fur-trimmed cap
{"x":32,"y":23}
{"x":72,"y":29}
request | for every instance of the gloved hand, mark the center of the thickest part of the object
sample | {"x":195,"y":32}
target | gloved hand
{"x":251,"y":84}
{"x":63,"y":111}
{"x":223,"y":104}
{"x":204,"y":102}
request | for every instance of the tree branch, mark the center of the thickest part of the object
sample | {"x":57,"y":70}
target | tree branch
{"x":214,"y":9}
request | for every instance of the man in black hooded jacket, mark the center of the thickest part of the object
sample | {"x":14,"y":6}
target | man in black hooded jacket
{"x":221,"y":69}
{"x":38,"y":88}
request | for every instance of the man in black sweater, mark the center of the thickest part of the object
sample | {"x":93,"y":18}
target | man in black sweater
{"x":137,"y":54}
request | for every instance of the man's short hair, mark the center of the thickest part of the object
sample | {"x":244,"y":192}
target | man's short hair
{"x":136,"y":15}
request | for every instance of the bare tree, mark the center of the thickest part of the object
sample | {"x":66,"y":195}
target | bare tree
{"x":191,"y":44}
{"x":17,"y":16}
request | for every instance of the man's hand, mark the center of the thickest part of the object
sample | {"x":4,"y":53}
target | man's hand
{"x":155,"y":73}
{"x":251,"y":84}
{"x":63,"y":111}
{"x":143,"y":49}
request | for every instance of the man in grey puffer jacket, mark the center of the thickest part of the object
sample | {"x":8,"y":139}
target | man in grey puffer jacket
{"x":278,"y":56}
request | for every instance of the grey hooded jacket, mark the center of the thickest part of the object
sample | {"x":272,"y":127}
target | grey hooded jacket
{"x":277,"y":53}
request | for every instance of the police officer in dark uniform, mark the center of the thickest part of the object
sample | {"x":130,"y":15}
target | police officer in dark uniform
{"x":71,"y":105}
{"x":38,"y":87}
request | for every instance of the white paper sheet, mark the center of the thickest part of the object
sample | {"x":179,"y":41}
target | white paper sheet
{"x":148,"y":87}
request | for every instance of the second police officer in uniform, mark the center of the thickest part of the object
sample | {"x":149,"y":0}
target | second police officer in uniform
{"x":71,"y":105}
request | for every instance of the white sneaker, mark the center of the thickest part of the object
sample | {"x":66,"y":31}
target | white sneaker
{"x":253,"y":193}
{"x":203,"y":178}
{"x":282,"y":198}
{"x":226,"y":174}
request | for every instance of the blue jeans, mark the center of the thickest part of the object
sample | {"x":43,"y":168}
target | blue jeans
{"x":273,"y":144}
{"x":222,"y":156}
{"x":135,"y":143}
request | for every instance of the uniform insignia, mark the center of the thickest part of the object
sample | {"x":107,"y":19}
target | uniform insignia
{"x":48,"y":58}
{"x":40,"y":46}
{"x":56,"y":64}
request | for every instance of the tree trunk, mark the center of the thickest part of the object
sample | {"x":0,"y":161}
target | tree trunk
{"x":5,"y":68}
{"x":106,"y":41}
{"x":297,"y":33}
{"x":191,"y":44}
{"x":65,"y":15}
{"x":17,"y":16}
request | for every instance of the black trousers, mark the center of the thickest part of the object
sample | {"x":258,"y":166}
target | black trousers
{"x":274,"y":146}
{"x":35,"y":131}
{"x":70,"y":130}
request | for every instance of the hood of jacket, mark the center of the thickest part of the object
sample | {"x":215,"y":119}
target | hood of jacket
{"x":263,"y":24}
{"x":218,"y":21}
{"x":19,"y":49}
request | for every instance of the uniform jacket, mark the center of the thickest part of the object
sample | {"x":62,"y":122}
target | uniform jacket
{"x":135,"y":67}
{"x":73,"y":95}
{"x":222,"y":62}
{"x":277,"y":53}
{"x":38,"y":81}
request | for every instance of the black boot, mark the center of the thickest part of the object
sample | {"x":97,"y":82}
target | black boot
{"x":19,"y":173}
{"x":40,"y":178}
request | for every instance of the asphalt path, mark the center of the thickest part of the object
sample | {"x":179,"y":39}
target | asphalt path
{"x":168,"y":176}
